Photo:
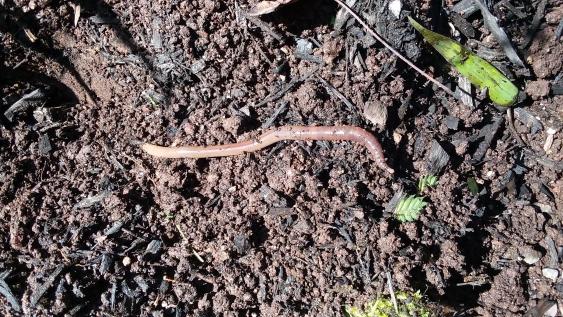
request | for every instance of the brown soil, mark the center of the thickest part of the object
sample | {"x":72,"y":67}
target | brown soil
{"x":93,"y":226}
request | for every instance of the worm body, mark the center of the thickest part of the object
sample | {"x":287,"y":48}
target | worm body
{"x":304,"y":133}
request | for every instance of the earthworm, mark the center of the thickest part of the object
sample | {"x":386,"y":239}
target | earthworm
{"x":303,"y":133}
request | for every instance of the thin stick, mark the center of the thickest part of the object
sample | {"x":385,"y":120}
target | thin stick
{"x":510,"y":119}
{"x":394,"y":51}
{"x":392,"y":292}
{"x":304,"y":133}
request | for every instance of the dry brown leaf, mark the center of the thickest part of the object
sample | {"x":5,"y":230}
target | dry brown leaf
{"x":265,"y":7}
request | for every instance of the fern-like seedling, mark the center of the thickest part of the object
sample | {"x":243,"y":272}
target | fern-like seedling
{"x":427,"y":181}
{"x":409,"y":208}
{"x":407,"y":304}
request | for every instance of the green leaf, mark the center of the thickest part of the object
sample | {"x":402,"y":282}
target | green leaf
{"x":473,"y":186}
{"x":480,"y":72}
{"x":409,"y":208}
{"x":427,"y":181}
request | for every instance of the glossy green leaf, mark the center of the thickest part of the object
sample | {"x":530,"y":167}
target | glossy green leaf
{"x":480,"y":72}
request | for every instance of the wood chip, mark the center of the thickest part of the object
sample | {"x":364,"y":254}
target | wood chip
{"x":538,"y":16}
{"x":39,"y":291}
{"x":437,"y":158}
{"x":7,"y":292}
{"x":265,"y":7}
{"x":465,"y":91}
{"x":499,"y":34}
{"x":342,"y":15}
{"x":527,"y":118}
{"x":33,"y":99}
{"x":488,"y":132}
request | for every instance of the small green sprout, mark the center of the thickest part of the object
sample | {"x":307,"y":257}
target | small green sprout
{"x":408,"y":305}
{"x":427,"y":181}
{"x":409,"y":208}
{"x":151,"y":97}
{"x":168,"y":216}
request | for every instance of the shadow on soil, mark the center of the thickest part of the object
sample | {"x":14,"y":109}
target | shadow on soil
{"x":312,"y":13}
{"x":14,"y":21}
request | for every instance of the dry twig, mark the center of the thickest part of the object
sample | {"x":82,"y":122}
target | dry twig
{"x":393,"y":50}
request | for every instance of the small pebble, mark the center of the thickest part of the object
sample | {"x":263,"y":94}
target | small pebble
{"x":452,"y":122}
{"x":395,"y":7}
{"x":544,"y":208}
{"x":126,"y":261}
{"x":246,"y":109}
{"x":304,"y":47}
{"x":530,"y":256}
{"x":397,"y":137}
{"x":376,"y":113}
{"x":550,"y":273}
{"x":358,"y":213}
